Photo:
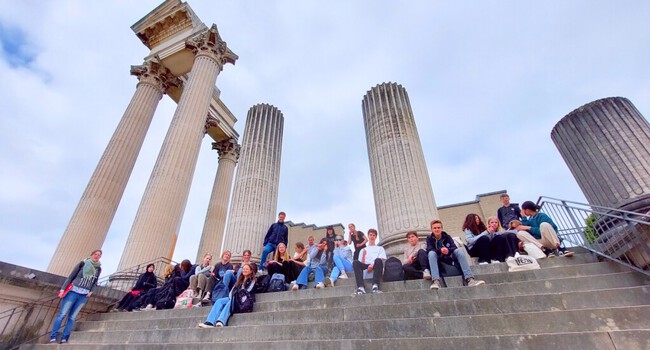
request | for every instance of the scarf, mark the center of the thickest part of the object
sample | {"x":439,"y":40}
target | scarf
{"x":90,"y":267}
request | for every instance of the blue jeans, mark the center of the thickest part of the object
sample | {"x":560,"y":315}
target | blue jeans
{"x":268,"y":248}
{"x":319,"y":275}
{"x":220,"y":311}
{"x":71,"y":304}
{"x":341,"y":265}
{"x":457,"y":255}
{"x":228,"y":278}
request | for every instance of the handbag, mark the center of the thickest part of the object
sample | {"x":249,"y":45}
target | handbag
{"x":533,"y":251}
{"x":65,"y":291}
{"x":522,"y":263}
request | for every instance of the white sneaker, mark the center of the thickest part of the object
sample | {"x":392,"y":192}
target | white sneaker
{"x":218,"y":324}
{"x":426,"y":274}
{"x":320,"y":285}
{"x":295,"y":287}
{"x":483,"y":263}
{"x":343,"y":275}
{"x":207,"y":296}
{"x":149,"y":307}
{"x":495,"y":262}
{"x":435,"y":285}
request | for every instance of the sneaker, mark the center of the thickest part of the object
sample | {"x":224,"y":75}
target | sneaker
{"x":53,"y":340}
{"x":328,"y":282}
{"x":435,"y":285}
{"x":63,"y":341}
{"x":206,"y":297}
{"x":295,"y":287}
{"x":375,"y":289}
{"x":473,"y":282}
{"x":206,"y":324}
{"x":320,"y":285}
{"x":556,"y":252}
{"x":219,"y":324}
{"x":149,"y":307}
{"x":495,"y":262}
{"x":426,"y":274}
{"x":360,"y":291}
{"x":548,"y":252}
{"x":343,"y":275}
{"x":567,"y":253}
{"x":483,"y":263}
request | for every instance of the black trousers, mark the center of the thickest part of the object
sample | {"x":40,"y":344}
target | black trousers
{"x":378,"y":271}
{"x":504,"y":246}
{"x":481,"y":250}
{"x":414,"y":271}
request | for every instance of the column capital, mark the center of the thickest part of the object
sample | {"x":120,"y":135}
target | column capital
{"x":156,"y":75}
{"x":209,"y":43}
{"x":228,"y":149}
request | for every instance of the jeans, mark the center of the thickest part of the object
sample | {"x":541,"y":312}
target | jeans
{"x":458,"y":256}
{"x":220,"y":311}
{"x":319,"y":275}
{"x":341,"y":265}
{"x":268,"y":248}
{"x":71,"y":304}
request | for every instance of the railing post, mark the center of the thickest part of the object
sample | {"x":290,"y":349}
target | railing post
{"x":573,"y":218}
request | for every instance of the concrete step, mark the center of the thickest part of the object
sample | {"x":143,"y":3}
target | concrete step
{"x":594,"y":340}
{"x":513,"y":289}
{"x":606,"y":319}
{"x":634,"y":296}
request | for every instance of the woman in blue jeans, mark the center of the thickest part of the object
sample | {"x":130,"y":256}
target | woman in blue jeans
{"x":318,"y":263}
{"x":342,"y":262}
{"x":220,"y":312}
{"x":75,"y":291}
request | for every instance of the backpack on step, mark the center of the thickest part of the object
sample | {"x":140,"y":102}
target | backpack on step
{"x":262,"y":284}
{"x":242,"y":301}
{"x":393,"y":270}
{"x":277,"y":283}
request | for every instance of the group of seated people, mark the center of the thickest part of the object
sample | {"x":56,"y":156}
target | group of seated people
{"x":331,"y":258}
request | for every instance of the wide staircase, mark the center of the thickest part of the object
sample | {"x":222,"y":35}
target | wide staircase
{"x":570,"y":303}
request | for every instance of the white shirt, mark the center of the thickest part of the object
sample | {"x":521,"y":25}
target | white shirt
{"x":372,"y":252}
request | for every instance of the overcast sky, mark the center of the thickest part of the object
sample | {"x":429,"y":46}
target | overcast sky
{"x":487,"y":81}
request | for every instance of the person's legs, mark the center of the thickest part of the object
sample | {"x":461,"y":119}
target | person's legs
{"x":319,"y":274}
{"x":358,"y":268}
{"x":66,"y":305}
{"x":215,"y":312}
{"x":481,"y":249}
{"x":303,"y":277}
{"x":203,"y":281}
{"x":549,"y":236}
{"x":79,"y":302}
{"x":228,"y":279}
{"x":499,"y":248}
{"x":194,"y":282}
{"x":268,"y":248}
{"x":347,"y":266}
{"x":225,"y":313}
{"x":526,"y":237}
{"x":433,"y":265}
{"x":377,"y":272}
{"x":239,"y":272}
{"x":411,"y":272}
{"x":209,"y":284}
{"x":462,"y":261}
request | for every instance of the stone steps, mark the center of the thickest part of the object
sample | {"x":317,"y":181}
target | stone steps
{"x":575,"y":303}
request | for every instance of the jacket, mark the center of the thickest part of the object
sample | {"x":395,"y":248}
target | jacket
{"x":436,"y":245}
{"x":277,"y":233}
{"x":535,"y":222}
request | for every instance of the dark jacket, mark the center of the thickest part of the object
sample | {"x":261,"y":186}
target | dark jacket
{"x":436,"y":245}
{"x":509,"y":213}
{"x":146,"y":281}
{"x":77,"y":278}
{"x":277,"y":233}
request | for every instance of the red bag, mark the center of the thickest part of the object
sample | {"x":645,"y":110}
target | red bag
{"x":65,"y":291}
{"x":135,"y":293}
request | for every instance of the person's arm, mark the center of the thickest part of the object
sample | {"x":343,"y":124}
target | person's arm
{"x":285,"y":235}
{"x":452,"y":245}
{"x":268,"y":235}
{"x":70,"y":278}
{"x":472,"y":238}
{"x":365,"y":240}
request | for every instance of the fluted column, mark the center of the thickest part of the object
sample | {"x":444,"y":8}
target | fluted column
{"x":606,"y":144}
{"x":215,"y":219}
{"x":92,"y":218}
{"x":400,"y":180}
{"x":255,"y":195}
{"x":158,"y":220}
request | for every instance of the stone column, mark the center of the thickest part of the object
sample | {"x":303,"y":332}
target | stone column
{"x":400,"y":179}
{"x":606,"y":145}
{"x":155,"y":229}
{"x":91,"y":220}
{"x":255,"y":196}
{"x":215,"y":219}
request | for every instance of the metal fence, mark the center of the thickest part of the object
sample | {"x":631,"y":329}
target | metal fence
{"x":29,"y":322}
{"x":619,"y":235}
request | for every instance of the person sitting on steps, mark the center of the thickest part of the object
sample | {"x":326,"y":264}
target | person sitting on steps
{"x":220,"y":312}
{"x":415,"y":261}
{"x":278,"y":233}
{"x":317,"y":262}
{"x":201,"y":275}
{"x":539,"y":228}
{"x":441,"y":248}
{"x":371,"y":260}
{"x":342,"y":262}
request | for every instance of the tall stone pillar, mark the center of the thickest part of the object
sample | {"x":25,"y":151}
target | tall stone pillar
{"x":215,"y":219}
{"x":255,"y":196}
{"x":158,"y":220}
{"x":91,"y":220}
{"x":606,"y":144}
{"x":400,"y":179}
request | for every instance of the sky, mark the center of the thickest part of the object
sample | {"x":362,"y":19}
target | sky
{"x":487,"y":81}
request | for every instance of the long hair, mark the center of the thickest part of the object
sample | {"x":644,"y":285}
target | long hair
{"x":284,"y":256}
{"x":241,"y":280}
{"x":499,"y":227}
{"x":470,"y":224}
{"x":186,"y":265}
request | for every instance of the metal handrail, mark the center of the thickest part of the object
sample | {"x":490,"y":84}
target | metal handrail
{"x":612,"y":234}
{"x":39,"y":315}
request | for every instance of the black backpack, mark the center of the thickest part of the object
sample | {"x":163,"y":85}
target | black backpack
{"x":262,"y":284}
{"x":242,"y":301}
{"x":277,"y":283}
{"x":393,"y":270}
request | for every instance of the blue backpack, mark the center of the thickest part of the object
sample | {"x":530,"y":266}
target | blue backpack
{"x":277,"y":283}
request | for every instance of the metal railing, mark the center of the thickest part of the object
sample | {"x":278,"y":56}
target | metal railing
{"x":618,"y":235}
{"x":29,"y":322}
